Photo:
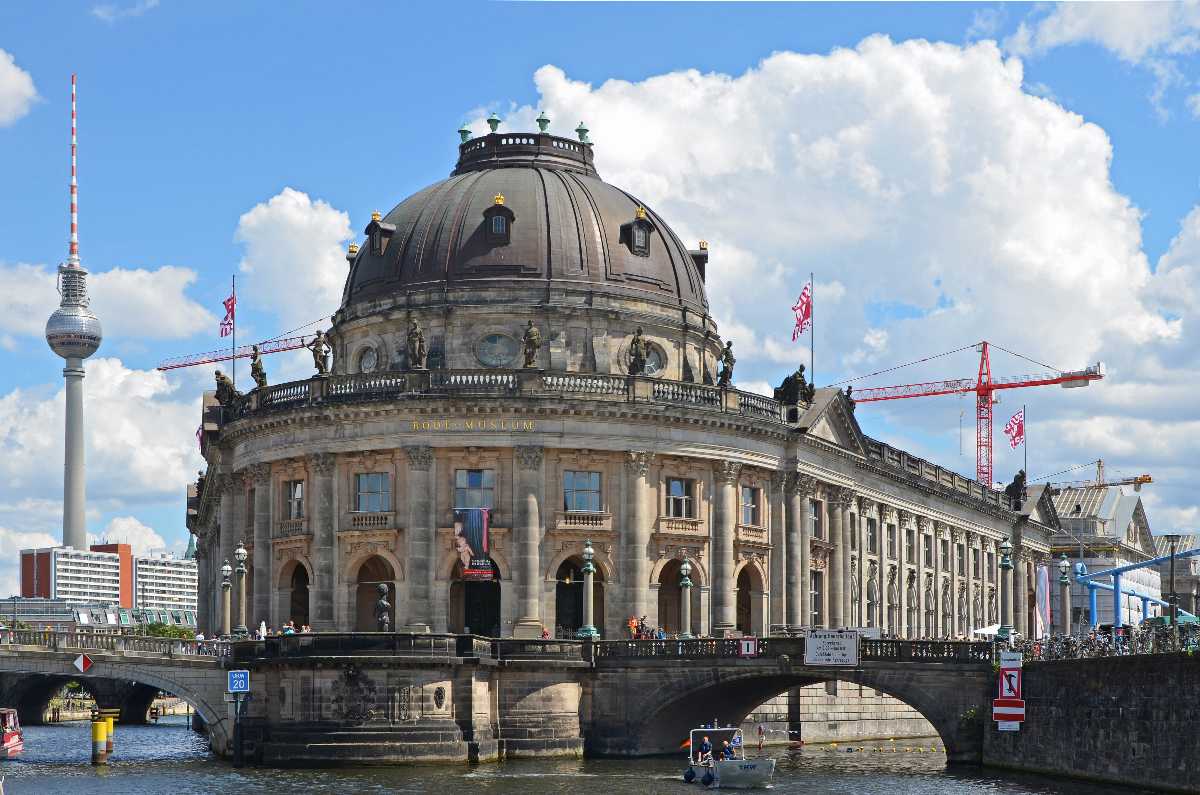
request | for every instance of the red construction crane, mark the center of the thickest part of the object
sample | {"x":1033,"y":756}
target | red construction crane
{"x":244,"y":352}
{"x":983,"y":386}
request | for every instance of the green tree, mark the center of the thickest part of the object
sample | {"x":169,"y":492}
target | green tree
{"x":160,"y":630}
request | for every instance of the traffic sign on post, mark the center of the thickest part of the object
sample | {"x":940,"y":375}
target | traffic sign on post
{"x":83,"y":663}
{"x":1008,"y":709}
{"x":238,"y":681}
{"x":1010,"y":683}
{"x":747,"y":647}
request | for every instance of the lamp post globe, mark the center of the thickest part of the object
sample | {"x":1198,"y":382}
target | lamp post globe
{"x":1006,"y":566}
{"x":1064,"y":569}
{"x":226,"y":587}
{"x":226,"y":571}
{"x":588,"y":631}
{"x":685,"y":599}
{"x":240,"y":554}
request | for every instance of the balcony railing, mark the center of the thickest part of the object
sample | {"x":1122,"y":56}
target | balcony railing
{"x":584,"y":521}
{"x":286,"y":528}
{"x":680,"y":527}
{"x":375,"y":520}
{"x":749,"y":534}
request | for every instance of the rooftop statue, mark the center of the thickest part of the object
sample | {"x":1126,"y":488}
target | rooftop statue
{"x":417,"y":352}
{"x":727,"y":362}
{"x":227,"y":396}
{"x":320,"y":351}
{"x":850,"y":398}
{"x":1015,"y":491}
{"x":532,"y":341}
{"x":637,"y":354}
{"x":257,"y":371}
{"x":795,"y":389}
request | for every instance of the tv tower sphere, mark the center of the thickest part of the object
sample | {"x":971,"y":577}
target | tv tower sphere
{"x":73,"y":333}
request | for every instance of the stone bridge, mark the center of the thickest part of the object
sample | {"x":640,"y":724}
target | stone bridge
{"x":647,"y":695}
{"x":330,"y":698}
{"x":126,"y":673}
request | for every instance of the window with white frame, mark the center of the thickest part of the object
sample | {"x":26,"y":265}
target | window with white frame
{"x":751,"y":506}
{"x":815,"y":508}
{"x":372,"y":492}
{"x":680,"y":498}
{"x":581,"y":491}
{"x":293,"y":499}
{"x":474,"y":488}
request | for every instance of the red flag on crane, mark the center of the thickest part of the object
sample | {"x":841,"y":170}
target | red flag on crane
{"x":230,"y":308}
{"x":803,"y":309}
{"x":1015,"y":429}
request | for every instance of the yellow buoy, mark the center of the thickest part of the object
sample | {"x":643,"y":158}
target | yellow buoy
{"x":99,"y":742}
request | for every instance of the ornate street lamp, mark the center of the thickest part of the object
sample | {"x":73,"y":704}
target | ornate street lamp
{"x":1006,"y":607}
{"x":588,"y":631}
{"x":1064,"y":584}
{"x":226,"y":586}
{"x":240,"y":554}
{"x":685,"y":596}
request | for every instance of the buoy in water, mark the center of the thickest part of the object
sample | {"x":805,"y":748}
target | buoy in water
{"x":707,"y":778}
{"x":689,"y":775}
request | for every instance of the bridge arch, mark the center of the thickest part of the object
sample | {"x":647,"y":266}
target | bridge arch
{"x":657,"y":718}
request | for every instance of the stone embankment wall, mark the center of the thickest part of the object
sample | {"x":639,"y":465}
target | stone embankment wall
{"x":1127,"y":720}
{"x":836,"y":712}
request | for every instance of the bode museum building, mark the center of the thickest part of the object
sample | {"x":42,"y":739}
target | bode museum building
{"x":528,"y":339}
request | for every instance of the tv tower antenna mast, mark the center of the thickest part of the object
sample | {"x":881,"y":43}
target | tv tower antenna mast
{"x":73,"y":333}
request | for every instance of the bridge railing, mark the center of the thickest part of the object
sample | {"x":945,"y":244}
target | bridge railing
{"x":869,"y":650}
{"x":404,"y":644}
{"x":116,"y":644}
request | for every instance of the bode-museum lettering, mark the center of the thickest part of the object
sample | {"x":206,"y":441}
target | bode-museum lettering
{"x":475,"y":425}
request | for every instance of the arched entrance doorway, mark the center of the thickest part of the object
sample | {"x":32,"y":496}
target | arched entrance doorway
{"x":298,"y":598}
{"x":568,"y":598}
{"x":475,"y":604}
{"x":373,"y":571}
{"x":669,"y":602}
{"x":749,"y":601}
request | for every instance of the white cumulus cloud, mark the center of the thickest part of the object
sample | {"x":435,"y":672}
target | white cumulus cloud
{"x":11,"y":544}
{"x":295,"y":255}
{"x":17,"y":92}
{"x":128,"y":530}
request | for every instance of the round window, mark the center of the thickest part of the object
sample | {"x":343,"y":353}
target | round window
{"x":368,"y":360}
{"x":656,"y":360}
{"x":496,"y":350}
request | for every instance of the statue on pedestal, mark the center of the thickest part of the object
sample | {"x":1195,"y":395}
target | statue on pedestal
{"x":795,"y":389}
{"x":1015,"y":491}
{"x":417,"y":352}
{"x":533,"y":342}
{"x":257,"y":371}
{"x":227,"y":396}
{"x":727,"y":362}
{"x":320,"y":350}
{"x":383,"y":608}
{"x":637,"y":354}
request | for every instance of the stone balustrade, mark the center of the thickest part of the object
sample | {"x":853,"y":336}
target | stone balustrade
{"x":286,"y":528}
{"x":375,"y":520}
{"x":583,"y":521}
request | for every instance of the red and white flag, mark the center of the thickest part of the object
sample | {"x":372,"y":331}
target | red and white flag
{"x":803,"y":309}
{"x":230,"y":308}
{"x":1015,"y":430}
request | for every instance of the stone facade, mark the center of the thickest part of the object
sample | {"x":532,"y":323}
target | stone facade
{"x":789,"y":516}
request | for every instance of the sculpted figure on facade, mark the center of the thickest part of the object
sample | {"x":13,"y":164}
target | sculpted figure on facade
{"x":725,"y":377}
{"x":417,"y":351}
{"x":532,"y":342}
{"x":420,"y":456}
{"x":257,"y":371}
{"x":227,"y":396}
{"x":638,"y":461}
{"x":529,"y":457}
{"x":320,"y":352}
{"x":383,"y":609}
{"x":795,"y":389}
{"x":637,"y":353}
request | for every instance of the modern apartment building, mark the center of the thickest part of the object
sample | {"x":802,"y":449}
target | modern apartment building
{"x":100,"y":574}
{"x":164,"y":582}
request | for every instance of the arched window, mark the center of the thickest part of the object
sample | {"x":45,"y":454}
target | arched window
{"x":499,"y":225}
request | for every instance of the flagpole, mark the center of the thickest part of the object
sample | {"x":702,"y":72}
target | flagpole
{"x":233,"y":349}
{"x":812,"y":330}
{"x":1025,"y":428}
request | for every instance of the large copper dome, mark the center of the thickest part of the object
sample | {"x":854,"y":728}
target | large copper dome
{"x":564,"y":228}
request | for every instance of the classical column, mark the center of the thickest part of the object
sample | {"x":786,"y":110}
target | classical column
{"x":421,"y":538}
{"x":778,"y":550}
{"x":263,"y":560}
{"x":937,"y":630}
{"x":836,"y":618}
{"x":1021,"y":592}
{"x":320,"y":599}
{"x":528,"y":541}
{"x":799,"y":531}
{"x":864,"y":505}
{"x":845,"y":504}
{"x":635,"y":544}
{"x":956,"y":582}
{"x":725,"y":478}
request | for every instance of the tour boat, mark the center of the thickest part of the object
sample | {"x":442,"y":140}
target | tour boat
{"x":14,"y":741}
{"x":735,"y":771}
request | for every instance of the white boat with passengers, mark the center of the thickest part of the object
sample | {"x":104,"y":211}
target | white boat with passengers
{"x":717,"y":758}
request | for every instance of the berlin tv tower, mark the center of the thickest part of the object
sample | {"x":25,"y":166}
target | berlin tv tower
{"x":73,"y":333}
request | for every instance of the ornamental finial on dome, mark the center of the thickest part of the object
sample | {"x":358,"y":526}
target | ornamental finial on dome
{"x":464,"y":134}
{"x":582,"y":132}
{"x":543,"y":121}
{"x":498,"y":200}
{"x":704,"y":245}
{"x":375,"y":216}
{"x":353,"y":249}
{"x":640,"y":213}
{"x":493,"y":121}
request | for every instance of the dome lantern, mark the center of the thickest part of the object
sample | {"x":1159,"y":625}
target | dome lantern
{"x":543,"y":121}
{"x":493,"y":121}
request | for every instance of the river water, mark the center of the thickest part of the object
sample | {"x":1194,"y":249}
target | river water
{"x":170,"y":758}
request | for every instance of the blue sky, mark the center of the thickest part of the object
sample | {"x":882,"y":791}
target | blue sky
{"x":192,"y":115}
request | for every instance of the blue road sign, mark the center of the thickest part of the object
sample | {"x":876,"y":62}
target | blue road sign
{"x":238,"y":682}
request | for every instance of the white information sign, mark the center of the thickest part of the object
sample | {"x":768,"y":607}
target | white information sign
{"x":1011,"y":659}
{"x":1008,"y":725}
{"x":831,"y":647}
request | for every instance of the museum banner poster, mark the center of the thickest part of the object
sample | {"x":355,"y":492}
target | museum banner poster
{"x":831,"y":647}
{"x":471,"y":543}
